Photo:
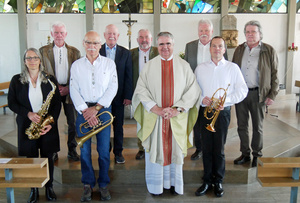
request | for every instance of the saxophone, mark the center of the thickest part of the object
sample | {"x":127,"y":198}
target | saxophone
{"x":34,"y":130}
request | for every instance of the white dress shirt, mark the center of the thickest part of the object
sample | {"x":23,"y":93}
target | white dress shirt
{"x":203,"y":54}
{"x":94,"y":83}
{"x":61,"y":64}
{"x":211,"y":77}
{"x":143,"y":59}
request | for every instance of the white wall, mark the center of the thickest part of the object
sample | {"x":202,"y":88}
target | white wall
{"x":182,"y":26}
{"x":296,"y":72}
{"x":144,"y":21}
{"x":9,"y":47}
{"x":39,"y":29}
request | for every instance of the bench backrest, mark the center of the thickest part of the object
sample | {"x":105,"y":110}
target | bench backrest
{"x":4,"y":85}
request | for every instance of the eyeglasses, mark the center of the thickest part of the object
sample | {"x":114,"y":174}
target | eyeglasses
{"x":163,"y":44}
{"x":91,"y":43}
{"x":35,"y":58}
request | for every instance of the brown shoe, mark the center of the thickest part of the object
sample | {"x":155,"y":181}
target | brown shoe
{"x":140,"y":155}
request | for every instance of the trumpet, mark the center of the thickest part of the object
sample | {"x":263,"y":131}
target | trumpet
{"x":213,"y":107}
{"x":94,"y":130}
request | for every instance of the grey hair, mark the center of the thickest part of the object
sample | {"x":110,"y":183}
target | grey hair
{"x":145,"y":30}
{"x":58,"y":24}
{"x":206,"y":21}
{"x":25,"y":73}
{"x":257,"y":24}
{"x":165,"y":34}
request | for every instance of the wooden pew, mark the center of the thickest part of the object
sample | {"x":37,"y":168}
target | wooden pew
{"x":3,"y":86}
{"x":280,"y":172}
{"x":22,"y":173}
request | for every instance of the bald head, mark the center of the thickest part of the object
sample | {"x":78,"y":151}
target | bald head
{"x":111,"y":35}
{"x":92,"y":44}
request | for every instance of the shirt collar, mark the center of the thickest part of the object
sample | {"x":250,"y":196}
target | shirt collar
{"x":64,"y":46}
{"x":169,"y":59}
{"x":222,"y":62}
{"x":258,"y":46}
{"x":113,"y":49}
{"x":97,"y":59}
{"x":203,"y":44}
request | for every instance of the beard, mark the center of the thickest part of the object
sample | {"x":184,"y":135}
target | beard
{"x":144,"y":46}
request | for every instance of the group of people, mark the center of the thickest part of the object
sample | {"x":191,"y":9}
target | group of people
{"x":169,"y":96}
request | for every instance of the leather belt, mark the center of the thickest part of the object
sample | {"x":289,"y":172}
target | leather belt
{"x":90,"y":104}
{"x":253,"y":89}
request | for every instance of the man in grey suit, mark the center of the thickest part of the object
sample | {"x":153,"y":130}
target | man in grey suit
{"x":197,"y":52}
{"x":140,"y":56}
{"x":57,"y":60}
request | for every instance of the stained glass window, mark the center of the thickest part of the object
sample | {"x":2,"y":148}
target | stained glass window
{"x":123,"y":6}
{"x":8,"y":6}
{"x":257,"y":6}
{"x":55,"y":6}
{"x":191,"y":6}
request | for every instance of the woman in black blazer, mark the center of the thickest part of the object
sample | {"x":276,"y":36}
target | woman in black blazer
{"x":27,"y":92}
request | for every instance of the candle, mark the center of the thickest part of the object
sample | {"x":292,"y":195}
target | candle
{"x":293,"y":46}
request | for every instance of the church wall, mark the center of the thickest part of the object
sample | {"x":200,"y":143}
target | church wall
{"x":144,"y":21}
{"x":39,"y":29}
{"x":182,"y":26}
{"x":296,"y":63}
{"x":10,"y":50}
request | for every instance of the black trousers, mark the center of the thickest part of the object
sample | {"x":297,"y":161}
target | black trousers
{"x":197,"y":134}
{"x":213,"y":146}
{"x":118,"y":113}
{"x":70,"y":115}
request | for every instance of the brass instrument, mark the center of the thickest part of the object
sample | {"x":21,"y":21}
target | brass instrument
{"x":215,"y":104}
{"x":34,"y":130}
{"x":95,"y":129}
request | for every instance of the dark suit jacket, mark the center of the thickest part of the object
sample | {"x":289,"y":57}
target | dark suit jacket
{"x":19,"y":103}
{"x":191,"y":51}
{"x":135,"y":62}
{"x":49,"y":63}
{"x":123,"y":62}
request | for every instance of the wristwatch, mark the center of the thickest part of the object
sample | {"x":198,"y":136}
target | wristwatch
{"x":97,"y":107}
{"x":179,"y":109}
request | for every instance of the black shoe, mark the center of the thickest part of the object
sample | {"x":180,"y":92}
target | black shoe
{"x":87,"y":194}
{"x":104,"y":194}
{"x":119,"y":159}
{"x":197,"y":155}
{"x":140,"y":155}
{"x":172,"y":191}
{"x":254,"y":162}
{"x":218,"y":189}
{"x":55,"y":157}
{"x":73,"y":155}
{"x":50,"y":195}
{"x":241,"y":160}
{"x":203,"y":189}
{"x":34,"y":195}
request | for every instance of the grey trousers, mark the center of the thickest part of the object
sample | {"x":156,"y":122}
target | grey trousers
{"x":257,"y":110}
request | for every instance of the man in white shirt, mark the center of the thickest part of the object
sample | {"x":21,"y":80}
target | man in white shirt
{"x":93,"y":86}
{"x":57,"y":59}
{"x":212,"y":75}
{"x":140,"y":56}
{"x":197,"y":52}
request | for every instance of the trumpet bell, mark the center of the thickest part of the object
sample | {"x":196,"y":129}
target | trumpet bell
{"x":211,"y":128}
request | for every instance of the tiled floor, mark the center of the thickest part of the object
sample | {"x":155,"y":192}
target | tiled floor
{"x":284,"y":109}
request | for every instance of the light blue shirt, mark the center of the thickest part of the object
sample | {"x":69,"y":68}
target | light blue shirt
{"x":111,"y":53}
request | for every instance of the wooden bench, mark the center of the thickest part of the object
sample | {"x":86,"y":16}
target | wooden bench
{"x":22,"y":173}
{"x":280,"y":172}
{"x":4,"y":86}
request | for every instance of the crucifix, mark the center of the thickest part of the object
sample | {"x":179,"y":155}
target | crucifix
{"x":129,"y":23}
